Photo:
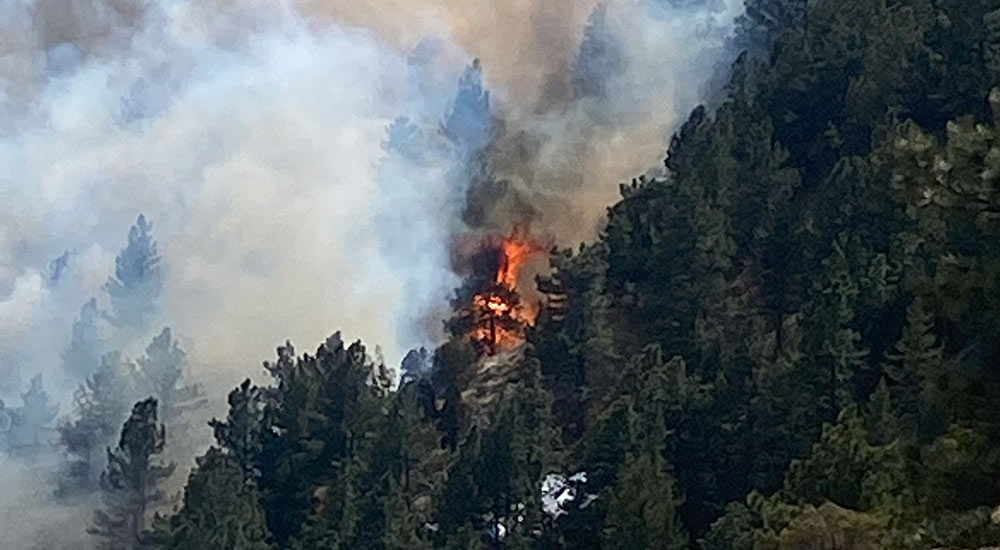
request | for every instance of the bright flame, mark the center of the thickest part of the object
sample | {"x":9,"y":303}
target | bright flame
{"x":518,"y":249}
{"x":501,"y":314}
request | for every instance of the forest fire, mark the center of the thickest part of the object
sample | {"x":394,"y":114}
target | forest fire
{"x":498,"y":314}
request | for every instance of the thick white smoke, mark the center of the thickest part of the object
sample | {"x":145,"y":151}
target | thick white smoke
{"x":255,"y":157}
{"x":251,"y":135}
{"x":252,"y":138}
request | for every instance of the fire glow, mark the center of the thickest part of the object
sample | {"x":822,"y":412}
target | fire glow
{"x":500,"y":313}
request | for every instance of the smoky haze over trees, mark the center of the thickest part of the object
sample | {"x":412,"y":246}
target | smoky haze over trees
{"x":135,"y":287}
{"x":782,"y":337}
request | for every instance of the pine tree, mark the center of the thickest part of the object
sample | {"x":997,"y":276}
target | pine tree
{"x":404,"y":458}
{"x":162,"y":371}
{"x":735,"y":530}
{"x":403,"y":529}
{"x":221,"y":509}
{"x":600,"y":61}
{"x":403,"y":138}
{"x":843,"y":352}
{"x":241,"y":434}
{"x":100,"y":406}
{"x":784,"y":419}
{"x":845,"y":467}
{"x":518,"y":448}
{"x":468,"y":123}
{"x":34,"y":419}
{"x":318,"y":427}
{"x":416,"y":365}
{"x":915,"y":369}
{"x":83,"y":356}
{"x":449,"y":377}
{"x":643,"y":509}
{"x":131,"y":482}
{"x":456,"y":506}
{"x":883,"y":421}
{"x":59,"y":265}
{"x":135,"y":287}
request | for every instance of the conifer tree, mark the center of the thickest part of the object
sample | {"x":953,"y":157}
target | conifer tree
{"x":915,"y":369}
{"x":317,"y":428}
{"x":456,"y":508}
{"x":162,"y":372}
{"x":468,"y":122}
{"x":135,"y":286}
{"x":34,"y":418}
{"x":241,"y":433}
{"x":83,"y":356}
{"x":404,"y":528}
{"x":221,"y":509}
{"x":600,"y":61}
{"x":403,"y":138}
{"x":843,"y":352}
{"x":131,"y":483}
{"x":883,"y":420}
{"x":643,"y":508}
{"x":100,"y":406}
{"x":845,"y":467}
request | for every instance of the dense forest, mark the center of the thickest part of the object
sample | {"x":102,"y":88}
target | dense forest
{"x":789,"y":340}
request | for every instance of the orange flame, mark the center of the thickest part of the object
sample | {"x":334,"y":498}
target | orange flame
{"x":502,"y":327}
{"x":518,"y":248}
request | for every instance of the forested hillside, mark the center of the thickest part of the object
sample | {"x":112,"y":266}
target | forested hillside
{"x":791,"y":340}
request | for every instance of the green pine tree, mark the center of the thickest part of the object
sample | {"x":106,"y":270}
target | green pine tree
{"x":642,"y":513}
{"x":131,"y":483}
{"x":100,"y":406}
{"x":221,"y":509}
{"x":915,"y":370}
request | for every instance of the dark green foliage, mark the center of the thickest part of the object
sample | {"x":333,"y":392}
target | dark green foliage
{"x":788,"y":340}
{"x":831,"y":527}
{"x":915,"y":371}
{"x":241,"y":434}
{"x":100,"y":406}
{"x":643,"y":510}
{"x":130,"y":485}
{"x":497,"y":470}
{"x":318,"y":422}
{"x":846,"y":469}
{"x":221,"y":509}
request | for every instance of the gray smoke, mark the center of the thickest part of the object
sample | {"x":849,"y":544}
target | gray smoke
{"x":255,"y":136}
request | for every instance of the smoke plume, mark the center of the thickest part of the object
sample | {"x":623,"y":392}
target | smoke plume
{"x":294,"y":159}
{"x":252,"y":136}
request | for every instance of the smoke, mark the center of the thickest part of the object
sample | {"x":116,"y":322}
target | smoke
{"x":249,"y":139}
{"x":641,"y":67}
{"x":254,"y":135}
{"x":30,"y":519}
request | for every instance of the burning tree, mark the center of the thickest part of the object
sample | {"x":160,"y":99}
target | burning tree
{"x":490,"y":308}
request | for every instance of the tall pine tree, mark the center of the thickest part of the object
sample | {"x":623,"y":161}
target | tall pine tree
{"x":135,"y":286}
{"x":221,"y":509}
{"x":131,"y":483}
{"x":83,"y":355}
